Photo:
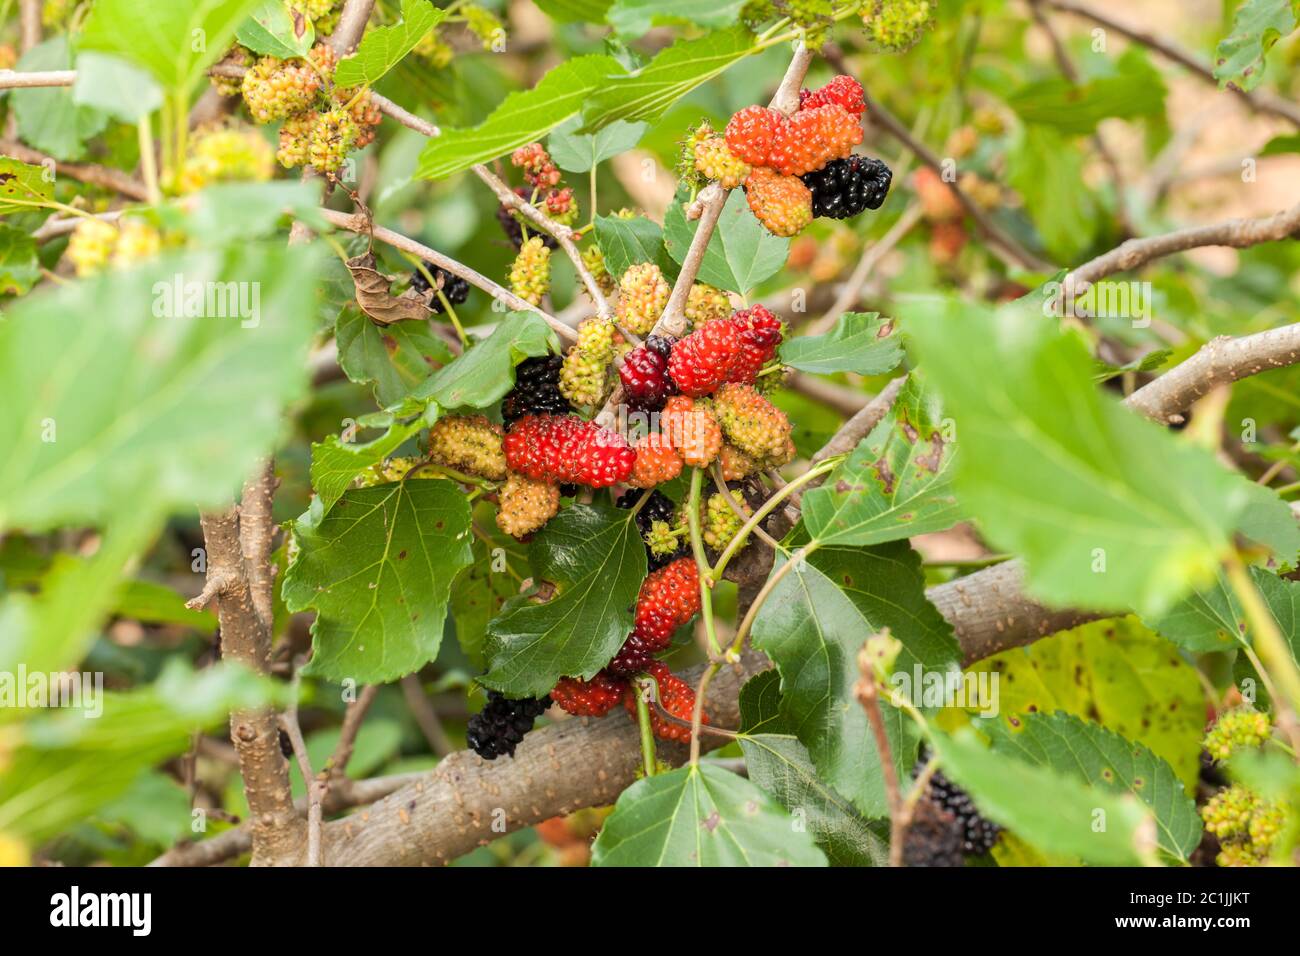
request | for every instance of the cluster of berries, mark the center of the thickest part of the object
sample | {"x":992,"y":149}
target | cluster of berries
{"x":322,"y":122}
{"x":497,"y":729}
{"x":946,"y":826}
{"x":226,"y":153}
{"x":1247,"y":826}
{"x":454,"y":289}
{"x":95,"y":245}
{"x":530,"y":273}
{"x":796,"y":167}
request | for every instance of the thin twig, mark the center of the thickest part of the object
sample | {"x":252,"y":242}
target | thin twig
{"x":362,"y":225}
{"x":872,"y":255}
{"x":353,"y":717}
{"x":34,"y":79}
{"x":316,"y":789}
{"x":868,"y":694}
{"x":426,"y":717}
{"x":89,"y":173}
{"x":1261,"y":101}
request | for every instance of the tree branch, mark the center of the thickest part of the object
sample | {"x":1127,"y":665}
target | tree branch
{"x":362,"y":225}
{"x":1236,"y":233}
{"x":246,"y":639}
{"x":102,"y":176}
{"x":352,"y":23}
{"x":14,"y":80}
{"x":1258,"y":100}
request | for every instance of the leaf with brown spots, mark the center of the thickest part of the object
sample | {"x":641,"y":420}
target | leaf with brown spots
{"x":895,"y":484}
{"x":25,"y":183}
{"x":1097,"y":756}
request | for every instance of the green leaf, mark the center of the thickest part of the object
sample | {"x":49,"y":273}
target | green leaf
{"x":176,"y":41}
{"x":1209,"y":620}
{"x":225,"y":213}
{"x":486,"y":372}
{"x":1269,"y":521}
{"x":481,"y":591}
{"x":596,"y":560}
{"x":1047,"y":171}
{"x":151,"y":399}
{"x":701,"y":816}
{"x":1051,"y":810}
{"x":580,"y":152}
{"x":377,"y":569}
{"x":1091,"y":753}
{"x":520,"y":119}
{"x":48,"y":119}
{"x":896,"y":483}
{"x":19,"y":267}
{"x":625,"y":242}
{"x":1282,"y":597}
{"x":1281,"y":145}
{"x":1116,"y":673}
{"x":115,"y":87}
{"x":1150,"y":362}
{"x":396,"y":358}
{"x":1256,"y":27}
{"x":153,"y":603}
{"x":779,"y":765}
{"x":741,"y":253}
{"x":271,"y":30}
{"x":68,"y":766}
{"x":1134,"y":90}
{"x":674,"y":72}
{"x":28,"y":184}
{"x":1108,"y":510}
{"x":813,"y":624}
{"x":382,"y":48}
{"x":633,"y":18}
{"x":335,"y":462}
{"x":575,"y":11}
{"x":861,"y":342}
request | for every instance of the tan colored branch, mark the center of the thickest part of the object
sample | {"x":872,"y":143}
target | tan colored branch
{"x":88,"y":173}
{"x":872,"y":255}
{"x":1261,"y":101}
{"x":29,"y":13}
{"x":562,"y":235}
{"x":426,"y":717}
{"x":352,"y":23}
{"x":360,"y":224}
{"x":1235,"y":233}
{"x":14,"y":80}
{"x":232,"y":843}
{"x":276,"y":827}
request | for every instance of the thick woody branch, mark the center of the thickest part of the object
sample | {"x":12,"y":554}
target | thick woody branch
{"x":342,"y":795}
{"x":352,"y":23}
{"x":467,"y":801}
{"x":245,"y":638}
{"x":362,"y":225}
{"x":1260,"y":101}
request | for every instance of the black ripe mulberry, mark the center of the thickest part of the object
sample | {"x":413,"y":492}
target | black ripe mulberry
{"x":845,"y":187}
{"x":497,"y":729}
{"x":977,"y":834}
{"x":454,"y":288}
{"x":933,"y":838}
{"x":536,"y":391}
{"x":659,"y":508}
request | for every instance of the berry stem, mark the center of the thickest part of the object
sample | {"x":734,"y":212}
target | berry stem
{"x":647,"y":731}
{"x":701,"y":562}
{"x":1270,"y":644}
{"x":451,"y":314}
{"x":767,"y":508}
{"x":796,"y":559}
{"x":148,"y":160}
